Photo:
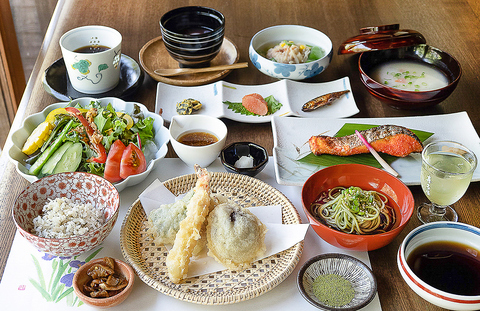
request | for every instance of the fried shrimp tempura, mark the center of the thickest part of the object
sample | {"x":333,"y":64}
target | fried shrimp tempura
{"x":189,"y":233}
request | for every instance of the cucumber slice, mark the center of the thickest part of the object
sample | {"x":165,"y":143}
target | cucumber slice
{"x":49,"y":166}
{"x":70,"y":159}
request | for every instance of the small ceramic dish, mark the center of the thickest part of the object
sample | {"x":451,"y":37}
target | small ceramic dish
{"x":257,"y":154}
{"x":79,"y":187}
{"x":57,"y":83}
{"x":154,"y":55}
{"x":81,"y":278}
{"x":30,"y":123}
{"x":201,"y":155}
{"x":359,"y":276}
{"x":298,"y":34}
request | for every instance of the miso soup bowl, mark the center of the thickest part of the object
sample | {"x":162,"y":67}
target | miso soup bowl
{"x":431,"y":232}
{"x":298,"y":34}
{"x":422,"y":53}
{"x":193,"y":35}
{"x":201,"y":155}
{"x":367,"y":178}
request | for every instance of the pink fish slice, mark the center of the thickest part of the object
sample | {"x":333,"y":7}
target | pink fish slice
{"x":380,"y":160}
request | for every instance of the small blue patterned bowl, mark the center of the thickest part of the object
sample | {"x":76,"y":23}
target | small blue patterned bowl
{"x":299,"y":35}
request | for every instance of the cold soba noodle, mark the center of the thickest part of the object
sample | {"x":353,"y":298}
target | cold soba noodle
{"x":353,"y":210}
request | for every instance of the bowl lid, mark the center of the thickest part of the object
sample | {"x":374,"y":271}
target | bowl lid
{"x":381,"y":38}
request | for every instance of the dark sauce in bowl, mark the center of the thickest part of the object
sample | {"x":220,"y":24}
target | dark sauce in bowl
{"x":197,"y":139}
{"x":92,"y":49}
{"x":448,"y":266}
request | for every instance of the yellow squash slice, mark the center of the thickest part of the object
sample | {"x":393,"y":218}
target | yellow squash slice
{"x":37,"y":137}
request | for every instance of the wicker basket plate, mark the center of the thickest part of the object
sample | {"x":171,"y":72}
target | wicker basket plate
{"x":222,"y":287}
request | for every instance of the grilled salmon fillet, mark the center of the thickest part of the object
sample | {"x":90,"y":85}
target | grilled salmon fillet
{"x":390,"y":139}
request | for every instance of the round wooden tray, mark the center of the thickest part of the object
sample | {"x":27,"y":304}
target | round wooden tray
{"x":154,"y":55}
{"x":222,"y":287}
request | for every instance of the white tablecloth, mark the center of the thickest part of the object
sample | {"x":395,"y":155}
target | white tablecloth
{"x":28,"y":272}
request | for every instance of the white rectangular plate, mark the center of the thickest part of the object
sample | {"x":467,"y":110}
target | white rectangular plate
{"x":291,"y":94}
{"x":291,"y":142}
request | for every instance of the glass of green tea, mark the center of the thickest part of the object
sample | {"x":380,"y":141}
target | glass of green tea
{"x":447,"y":169}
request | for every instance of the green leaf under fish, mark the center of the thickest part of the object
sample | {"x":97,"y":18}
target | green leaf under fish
{"x":365,"y":158}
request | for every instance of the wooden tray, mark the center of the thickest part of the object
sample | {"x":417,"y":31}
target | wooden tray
{"x":154,"y":55}
{"x":222,"y":287}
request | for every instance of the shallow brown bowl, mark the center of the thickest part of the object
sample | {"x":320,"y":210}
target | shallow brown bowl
{"x":367,"y":178}
{"x":410,"y":99}
{"x":80,"y":278}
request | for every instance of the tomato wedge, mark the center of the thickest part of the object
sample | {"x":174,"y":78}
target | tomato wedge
{"x":133,"y":161}
{"x":112,"y":165}
{"x":92,"y":135}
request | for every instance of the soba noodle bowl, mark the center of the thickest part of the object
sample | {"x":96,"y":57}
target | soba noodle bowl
{"x":354,"y":210}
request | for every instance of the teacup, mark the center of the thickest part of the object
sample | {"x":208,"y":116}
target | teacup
{"x":199,"y":124}
{"x":92,"y":57}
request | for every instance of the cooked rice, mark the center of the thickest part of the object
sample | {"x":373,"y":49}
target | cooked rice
{"x":63,"y":218}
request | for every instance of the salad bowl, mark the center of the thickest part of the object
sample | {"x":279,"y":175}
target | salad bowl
{"x":158,"y":151}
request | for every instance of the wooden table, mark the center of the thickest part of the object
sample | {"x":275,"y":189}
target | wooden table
{"x":453,"y":26}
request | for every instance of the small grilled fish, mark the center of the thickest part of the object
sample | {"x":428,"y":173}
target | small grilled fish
{"x":390,"y":139}
{"x":322,"y":100}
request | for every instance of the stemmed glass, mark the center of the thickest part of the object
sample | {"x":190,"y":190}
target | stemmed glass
{"x":447,"y":169}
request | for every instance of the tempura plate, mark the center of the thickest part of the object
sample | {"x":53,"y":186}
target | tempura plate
{"x":222,"y":287}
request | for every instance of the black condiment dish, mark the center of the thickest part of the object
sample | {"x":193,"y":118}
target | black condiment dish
{"x":235,"y":151}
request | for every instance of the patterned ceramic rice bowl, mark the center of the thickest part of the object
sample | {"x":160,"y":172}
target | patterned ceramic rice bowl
{"x":79,"y":187}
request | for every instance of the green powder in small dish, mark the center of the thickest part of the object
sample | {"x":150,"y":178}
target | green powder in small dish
{"x":333,"y":290}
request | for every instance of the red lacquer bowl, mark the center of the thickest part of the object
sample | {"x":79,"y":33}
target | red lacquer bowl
{"x":410,"y":99}
{"x":367,"y":178}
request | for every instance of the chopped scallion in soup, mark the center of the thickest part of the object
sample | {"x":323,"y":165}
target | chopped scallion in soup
{"x":409,"y":76}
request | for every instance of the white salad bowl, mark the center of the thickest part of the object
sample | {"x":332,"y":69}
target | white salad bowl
{"x":298,"y":34}
{"x":19,"y":137}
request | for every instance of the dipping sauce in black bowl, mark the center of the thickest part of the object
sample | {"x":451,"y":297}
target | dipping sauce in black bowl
{"x":193,"y":35}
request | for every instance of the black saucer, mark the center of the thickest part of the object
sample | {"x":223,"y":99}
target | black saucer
{"x":57,"y":83}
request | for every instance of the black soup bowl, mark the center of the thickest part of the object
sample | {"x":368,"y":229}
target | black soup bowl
{"x":193,"y":35}
{"x":422,"y":53}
